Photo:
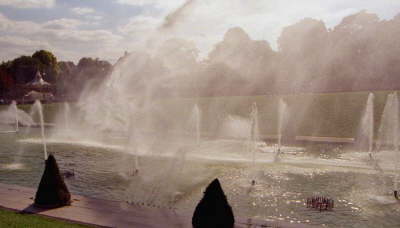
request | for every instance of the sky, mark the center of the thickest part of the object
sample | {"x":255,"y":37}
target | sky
{"x":105,"y":29}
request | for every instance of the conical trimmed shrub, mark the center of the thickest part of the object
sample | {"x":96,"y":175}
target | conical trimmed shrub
{"x":52,"y":191}
{"x":213,"y":210}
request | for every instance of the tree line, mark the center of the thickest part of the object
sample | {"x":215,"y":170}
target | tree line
{"x":361,"y":53}
{"x":67,"y":78}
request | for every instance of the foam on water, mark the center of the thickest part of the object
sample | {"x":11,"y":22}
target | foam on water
{"x":381,"y":199}
{"x":82,"y":143}
{"x":13,"y":166}
{"x":232,"y":151}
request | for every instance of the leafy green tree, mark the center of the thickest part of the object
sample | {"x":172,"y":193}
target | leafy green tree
{"x":47,"y":64}
{"x":24,"y":69}
{"x":45,"y":57}
{"x":91,"y":71}
{"x":65,"y":79}
{"x":251,"y":60}
{"x":302,"y":54}
{"x":7,"y":84}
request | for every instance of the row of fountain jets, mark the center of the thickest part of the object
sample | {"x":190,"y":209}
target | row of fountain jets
{"x":14,"y":115}
{"x":388,"y":131}
{"x":19,"y":117}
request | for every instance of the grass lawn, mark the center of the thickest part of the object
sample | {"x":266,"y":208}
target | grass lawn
{"x":13,"y":219}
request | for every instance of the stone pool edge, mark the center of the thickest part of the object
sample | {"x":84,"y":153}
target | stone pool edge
{"x":108,"y":213}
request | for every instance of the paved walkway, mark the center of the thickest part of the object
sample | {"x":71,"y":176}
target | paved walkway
{"x":106,"y":213}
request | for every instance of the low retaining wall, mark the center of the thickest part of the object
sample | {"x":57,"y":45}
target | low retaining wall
{"x":107,"y":213}
{"x":324,"y":139}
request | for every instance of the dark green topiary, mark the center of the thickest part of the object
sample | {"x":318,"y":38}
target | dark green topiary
{"x":52,"y":191}
{"x":213,"y":211}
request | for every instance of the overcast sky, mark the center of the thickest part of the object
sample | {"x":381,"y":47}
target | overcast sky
{"x":72,"y":29}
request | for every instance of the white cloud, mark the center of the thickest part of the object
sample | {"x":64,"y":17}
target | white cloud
{"x":143,"y":2}
{"x":204,"y":22}
{"x":28,"y":3}
{"x":94,"y":17}
{"x":87,"y":13}
{"x":82,"y":10}
{"x":63,"y":23}
{"x":140,"y":25}
{"x":19,"y":45}
{"x":163,"y":5}
{"x":8,"y":26}
{"x":136,"y":2}
{"x":19,"y":41}
{"x":207,"y":20}
{"x":62,"y":36}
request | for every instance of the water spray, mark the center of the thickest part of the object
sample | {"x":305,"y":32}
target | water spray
{"x":253,"y":134}
{"x":14,"y":104}
{"x":38,"y":106}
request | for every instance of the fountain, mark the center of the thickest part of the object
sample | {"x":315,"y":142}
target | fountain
{"x":197,"y":120}
{"x":13,"y":116}
{"x":367,"y":124}
{"x":254,"y":135}
{"x":386,"y":131}
{"x":132,"y":145}
{"x":67,"y":111}
{"x":282,"y":118}
{"x":9,"y":119}
{"x":388,"y":139}
{"x":389,"y":131}
{"x":14,"y":105}
{"x":254,"y":132}
{"x":37,"y":107}
{"x":395,"y":139}
{"x":235,"y":127}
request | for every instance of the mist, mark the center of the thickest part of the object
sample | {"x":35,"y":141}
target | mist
{"x":174,"y":17}
{"x":310,"y":58}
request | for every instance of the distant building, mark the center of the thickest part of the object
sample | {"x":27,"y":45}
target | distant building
{"x":37,"y":89}
{"x":33,"y":95}
{"x":38,"y":83}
